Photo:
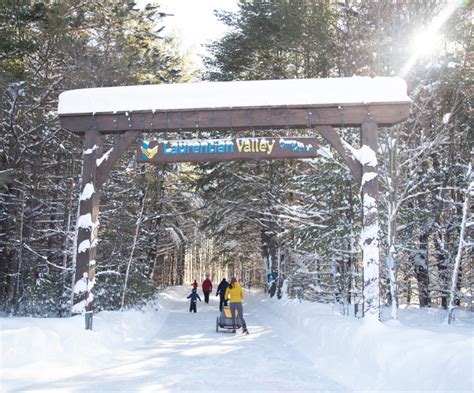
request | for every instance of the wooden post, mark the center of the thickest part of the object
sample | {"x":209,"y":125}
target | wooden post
{"x":87,"y":228}
{"x":370,"y":222}
{"x":211,"y":117}
{"x":95,"y":170}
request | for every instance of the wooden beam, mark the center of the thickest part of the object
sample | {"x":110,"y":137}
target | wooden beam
{"x":239,"y":118}
{"x":332,"y":137}
{"x":107,"y":162}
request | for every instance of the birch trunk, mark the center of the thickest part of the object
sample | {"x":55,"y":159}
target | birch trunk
{"x":392,"y":221}
{"x":74,"y":247}
{"x":457,"y":263}
{"x":370,"y":223}
{"x":135,"y":238}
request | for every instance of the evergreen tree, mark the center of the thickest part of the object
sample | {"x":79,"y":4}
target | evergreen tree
{"x":48,"y":47}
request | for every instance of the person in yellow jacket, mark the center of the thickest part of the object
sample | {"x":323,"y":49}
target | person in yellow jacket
{"x":235,"y":295}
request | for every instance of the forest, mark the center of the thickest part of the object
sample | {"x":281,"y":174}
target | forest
{"x":296,"y":222}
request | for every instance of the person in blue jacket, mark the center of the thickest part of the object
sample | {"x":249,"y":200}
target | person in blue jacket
{"x":194,"y":298}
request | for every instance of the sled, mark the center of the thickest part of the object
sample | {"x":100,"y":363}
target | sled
{"x":224,"y":321}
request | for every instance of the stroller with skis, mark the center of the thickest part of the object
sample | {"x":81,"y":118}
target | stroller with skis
{"x":224,"y":321}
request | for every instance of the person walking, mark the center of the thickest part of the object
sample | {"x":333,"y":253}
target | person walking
{"x":235,"y":295}
{"x":221,"y":292}
{"x":195,"y":285}
{"x":207,"y":288}
{"x":194,"y":298}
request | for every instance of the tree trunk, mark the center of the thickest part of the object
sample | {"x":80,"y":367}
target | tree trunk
{"x":421,"y":271}
{"x":269,"y":253}
{"x":135,"y":239}
{"x":370,"y":222}
{"x":457,"y":264}
{"x":392,"y":221}
{"x":18,"y":286}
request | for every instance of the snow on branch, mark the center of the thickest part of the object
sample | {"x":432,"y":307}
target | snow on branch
{"x":84,"y":246}
{"x":81,"y":285}
{"x":91,"y":150}
{"x":174,"y":235}
{"x":105,"y":157}
{"x":368,"y":176}
{"x":90,"y":284}
{"x":325,"y":152}
{"x":108,"y":272}
{"x":85,"y":221}
{"x":45,"y":259}
{"x":365,"y":155}
{"x":370,"y":204}
{"x":87,"y":192}
{"x":78,"y":308}
{"x":369,"y":233}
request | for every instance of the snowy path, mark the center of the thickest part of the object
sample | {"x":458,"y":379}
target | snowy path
{"x":188,"y":355}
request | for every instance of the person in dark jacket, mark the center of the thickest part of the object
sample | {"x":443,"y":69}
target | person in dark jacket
{"x":207,"y":288}
{"x":221,"y":291}
{"x":194,"y":298}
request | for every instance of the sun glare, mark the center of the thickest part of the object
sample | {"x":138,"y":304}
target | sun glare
{"x":427,"y":41}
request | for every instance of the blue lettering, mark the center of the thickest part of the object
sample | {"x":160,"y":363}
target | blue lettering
{"x":169,"y":150}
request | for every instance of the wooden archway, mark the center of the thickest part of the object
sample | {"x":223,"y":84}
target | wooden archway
{"x":323,"y":104}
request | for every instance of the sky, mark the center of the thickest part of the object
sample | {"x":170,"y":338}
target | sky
{"x":194,"y":21}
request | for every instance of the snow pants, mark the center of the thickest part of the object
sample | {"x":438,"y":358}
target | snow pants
{"x":222,"y":303}
{"x":192,"y":307}
{"x":237,"y":306}
{"x":206,"y":296}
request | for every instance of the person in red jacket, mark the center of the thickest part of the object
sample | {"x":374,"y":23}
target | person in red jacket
{"x":195,"y":285}
{"x":207,"y":288}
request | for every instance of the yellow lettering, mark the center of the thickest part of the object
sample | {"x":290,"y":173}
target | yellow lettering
{"x":240,"y":144}
{"x":270,"y":147}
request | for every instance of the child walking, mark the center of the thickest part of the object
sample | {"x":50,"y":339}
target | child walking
{"x":193,"y":296}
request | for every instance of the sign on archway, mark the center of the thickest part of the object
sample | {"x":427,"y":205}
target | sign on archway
{"x":226,"y":149}
{"x":319,"y":104}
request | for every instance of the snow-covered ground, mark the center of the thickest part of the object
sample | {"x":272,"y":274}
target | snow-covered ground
{"x":292,"y":347}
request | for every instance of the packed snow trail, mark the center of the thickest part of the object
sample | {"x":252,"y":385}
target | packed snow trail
{"x":188,"y":355}
{"x":293,"y":346}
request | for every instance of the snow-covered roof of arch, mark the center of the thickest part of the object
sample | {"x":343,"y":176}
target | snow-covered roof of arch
{"x":241,"y":94}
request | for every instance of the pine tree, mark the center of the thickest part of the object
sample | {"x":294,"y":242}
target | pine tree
{"x":46,"y":48}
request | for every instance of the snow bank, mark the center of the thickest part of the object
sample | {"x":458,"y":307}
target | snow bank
{"x":126,"y":351}
{"x":45,"y":349}
{"x":267,"y":93}
{"x":367,"y":355}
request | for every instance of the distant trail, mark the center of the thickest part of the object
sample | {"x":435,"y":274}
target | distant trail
{"x":188,"y":355}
